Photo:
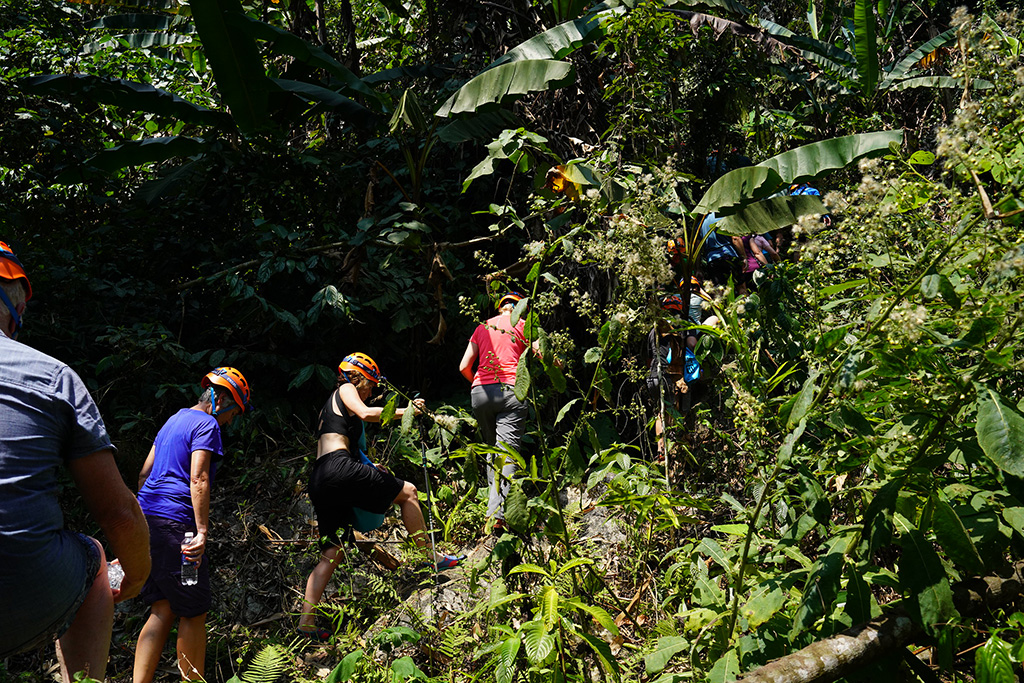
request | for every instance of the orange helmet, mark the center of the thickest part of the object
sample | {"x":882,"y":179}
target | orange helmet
{"x":11,"y":268}
{"x":694,"y":282}
{"x":672,"y":302}
{"x":676,"y":248}
{"x":233,"y":381}
{"x":510,"y":297}
{"x":361,"y":363}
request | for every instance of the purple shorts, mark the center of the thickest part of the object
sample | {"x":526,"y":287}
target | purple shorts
{"x":164,"y":583}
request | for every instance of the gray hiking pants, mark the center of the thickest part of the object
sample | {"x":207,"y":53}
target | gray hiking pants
{"x":502,"y":419}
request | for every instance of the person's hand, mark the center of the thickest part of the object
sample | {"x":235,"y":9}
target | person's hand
{"x":382,"y":467}
{"x":418,"y":406}
{"x":131,"y":585}
{"x":827,"y":220}
{"x":194,"y":552}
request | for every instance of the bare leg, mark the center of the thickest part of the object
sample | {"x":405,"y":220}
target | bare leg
{"x":315,"y":585}
{"x":192,"y":647}
{"x":85,"y":646}
{"x":412,"y":517}
{"x":151,"y":641}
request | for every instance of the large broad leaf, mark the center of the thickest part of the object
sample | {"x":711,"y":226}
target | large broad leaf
{"x":237,"y":67}
{"x":816,"y":159}
{"x":769,"y":214}
{"x":829,"y":57}
{"x":558,"y":42}
{"x":142,"y":22}
{"x":350,"y":110}
{"x":733,"y":6}
{"x":900,"y":69}
{"x":507,"y":82}
{"x":538,"y":641}
{"x":127,"y":95}
{"x":485,"y":126}
{"x":666,"y":649}
{"x":923,"y":578}
{"x":953,"y":537}
{"x":142,"y":41}
{"x":936,"y":83}
{"x":1000,"y":431}
{"x":741,"y":185}
{"x":135,"y":154}
{"x":283,"y":42}
{"x":865,"y":45}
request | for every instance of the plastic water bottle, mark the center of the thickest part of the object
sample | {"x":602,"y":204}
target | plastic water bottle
{"x":115,"y":574}
{"x":189,"y":569}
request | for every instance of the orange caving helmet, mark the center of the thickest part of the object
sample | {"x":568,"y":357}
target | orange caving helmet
{"x":694,"y":282}
{"x":510,"y":297}
{"x":676,"y":248}
{"x":233,"y":381}
{"x":11,"y":268}
{"x":363,"y":364}
{"x":672,"y":302}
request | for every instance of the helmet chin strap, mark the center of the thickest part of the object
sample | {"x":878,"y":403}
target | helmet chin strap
{"x":14,"y":313}
{"x":213,"y":402}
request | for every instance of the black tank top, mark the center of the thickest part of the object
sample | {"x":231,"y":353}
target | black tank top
{"x":346,"y":425}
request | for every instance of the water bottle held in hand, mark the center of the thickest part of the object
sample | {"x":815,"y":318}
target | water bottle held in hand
{"x":115,"y":575}
{"x":189,"y":569}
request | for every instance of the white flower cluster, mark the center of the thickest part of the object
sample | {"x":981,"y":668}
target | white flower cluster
{"x":906,"y":321}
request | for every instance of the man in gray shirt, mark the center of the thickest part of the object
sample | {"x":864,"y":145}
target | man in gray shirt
{"x":53,"y":582}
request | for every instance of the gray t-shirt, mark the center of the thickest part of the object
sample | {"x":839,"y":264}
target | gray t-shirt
{"x":46,"y":418}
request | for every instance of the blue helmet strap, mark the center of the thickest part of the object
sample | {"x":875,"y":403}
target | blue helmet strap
{"x":14,"y":312}
{"x":213,"y":401}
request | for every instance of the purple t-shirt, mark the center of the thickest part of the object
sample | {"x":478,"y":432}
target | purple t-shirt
{"x":166,"y":492}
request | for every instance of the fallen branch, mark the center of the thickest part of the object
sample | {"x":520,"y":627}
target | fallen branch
{"x":837,"y":656}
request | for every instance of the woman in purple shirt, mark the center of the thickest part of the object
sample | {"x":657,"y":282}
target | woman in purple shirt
{"x":174,"y":493}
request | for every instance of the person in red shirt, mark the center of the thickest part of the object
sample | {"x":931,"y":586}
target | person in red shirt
{"x":495,"y":348}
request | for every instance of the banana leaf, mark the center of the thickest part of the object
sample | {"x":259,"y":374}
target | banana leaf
{"x":283,"y":42}
{"x":904,"y":65}
{"x":143,"y":41}
{"x":135,"y":153}
{"x":350,"y":110}
{"x":865,"y":45}
{"x":742,"y":186}
{"x":505,"y":83}
{"x":557,"y":42}
{"x":936,"y":82}
{"x":485,"y":126}
{"x":770,"y":214}
{"x":128,"y":95}
{"x":237,"y":66}
{"x":142,"y":22}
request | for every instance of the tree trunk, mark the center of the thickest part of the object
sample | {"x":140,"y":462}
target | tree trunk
{"x":835,"y":657}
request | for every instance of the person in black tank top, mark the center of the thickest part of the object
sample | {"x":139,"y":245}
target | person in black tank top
{"x":343,"y":478}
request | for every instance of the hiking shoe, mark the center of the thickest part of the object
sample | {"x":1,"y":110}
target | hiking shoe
{"x":449,"y":562}
{"x":317,"y":635}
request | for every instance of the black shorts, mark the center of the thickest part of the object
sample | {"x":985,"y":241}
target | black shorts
{"x":164,"y":583}
{"x":340,"y":482}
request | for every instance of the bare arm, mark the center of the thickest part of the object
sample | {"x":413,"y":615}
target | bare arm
{"x":112,"y":505}
{"x":350,"y":397}
{"x":199,"y":486}
{"x":147,"y":467}
{"x":755,"y":249}
{"x":737,"y":244}
{"x":771,"y":251}
{"x":468,"y":358}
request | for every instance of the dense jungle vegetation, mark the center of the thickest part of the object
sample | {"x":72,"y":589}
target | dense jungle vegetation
{"x":274,"y":184}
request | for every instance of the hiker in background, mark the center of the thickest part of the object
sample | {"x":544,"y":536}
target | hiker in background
{"x":720,"y":256}
{"x":783,"y":237}
{"x":666,"y":351}
{"x":495,"y":348}
{"x":344,"y":483}
{"x":53,"y":582}
{"x":759,"y":254}
{"x":695,"y":314}
{"x":174,"y":492}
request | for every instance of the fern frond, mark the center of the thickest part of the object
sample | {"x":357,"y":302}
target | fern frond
{"x":267,"y":666}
